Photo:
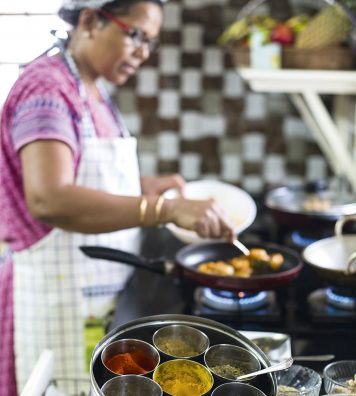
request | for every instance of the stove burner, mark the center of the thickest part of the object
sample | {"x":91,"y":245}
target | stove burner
{"x":321,"y":309}
{"x":340,"y":301}
{"x":302,"y":240}
{"x":231,"y":302}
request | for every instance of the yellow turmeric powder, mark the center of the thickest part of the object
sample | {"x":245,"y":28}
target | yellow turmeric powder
{"x":183,"y":378}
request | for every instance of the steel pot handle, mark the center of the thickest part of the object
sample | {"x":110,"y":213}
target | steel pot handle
{"x":350,"y":264}
{"x":339,"y":225}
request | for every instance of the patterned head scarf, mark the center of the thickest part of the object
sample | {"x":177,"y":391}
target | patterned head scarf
{"x":79,"y":4}
{"x":70,"y":8}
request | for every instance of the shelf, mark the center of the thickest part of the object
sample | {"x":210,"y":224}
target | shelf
{"x":342,"y":82}
{"x":305,"y":87}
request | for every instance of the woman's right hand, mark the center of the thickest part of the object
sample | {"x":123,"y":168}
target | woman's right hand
{"x":205,"y":217}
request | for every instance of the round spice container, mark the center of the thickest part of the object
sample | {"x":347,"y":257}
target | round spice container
{"x":130,"y":356}
{"x":227,"y":362}
{"x":237,"y":388}
{"x":131,"y":385}
{"x":180,"y":341}
{"x":182,"y":377}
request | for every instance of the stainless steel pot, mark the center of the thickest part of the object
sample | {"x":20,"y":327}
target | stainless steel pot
{"x":144,"y":328}
{"x":334,"y":258}
{"x":308,"y":208}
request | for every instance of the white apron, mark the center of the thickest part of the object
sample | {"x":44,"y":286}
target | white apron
{"x":56,"y":288}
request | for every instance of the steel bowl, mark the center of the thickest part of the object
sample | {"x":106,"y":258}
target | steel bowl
{"x":180,"y":341}
{"x":237,"y":388}
{"x":146,"y":355}
{"x":183,"y":376}
{"x":223,"y":356}
{"x":131,"y":385}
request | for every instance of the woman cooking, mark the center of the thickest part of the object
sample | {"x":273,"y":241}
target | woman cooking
{"x":69,"y":176}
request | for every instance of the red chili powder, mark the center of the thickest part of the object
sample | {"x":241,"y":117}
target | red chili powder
{"x":130,"y":363}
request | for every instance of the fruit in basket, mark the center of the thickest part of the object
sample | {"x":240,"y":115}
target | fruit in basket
{"x":242,"y":28}
{"x":328,"y":27}
{"x":282,"y":34}
{"x":237,"y":31}
{"x":298,"y":23}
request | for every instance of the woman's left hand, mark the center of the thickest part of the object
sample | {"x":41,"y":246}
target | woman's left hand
{"x":157,"y":185}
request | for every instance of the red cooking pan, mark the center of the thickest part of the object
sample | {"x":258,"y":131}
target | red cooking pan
{"x":189,"y":257}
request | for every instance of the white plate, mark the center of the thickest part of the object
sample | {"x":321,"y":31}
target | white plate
{"x":237,"y":203}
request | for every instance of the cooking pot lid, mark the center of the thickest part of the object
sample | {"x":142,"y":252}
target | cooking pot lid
{"x":326,"y":203}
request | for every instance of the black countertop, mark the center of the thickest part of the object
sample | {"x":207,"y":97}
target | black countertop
{"x":148,"y":293}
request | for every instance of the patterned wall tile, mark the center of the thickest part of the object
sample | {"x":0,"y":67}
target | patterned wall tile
{"x":195,"y":115}
{"x":172,"y":16}
{"x":168,"y":146}
{"x":190,"y":165}
{"x":191,"y":83}
{"x":169,"y":60}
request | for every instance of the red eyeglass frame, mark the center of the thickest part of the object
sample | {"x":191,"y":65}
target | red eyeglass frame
{"x":121,"y":24}
{"x":130,"y":30}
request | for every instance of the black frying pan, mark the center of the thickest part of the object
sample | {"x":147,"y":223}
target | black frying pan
{"x":189,"y":257}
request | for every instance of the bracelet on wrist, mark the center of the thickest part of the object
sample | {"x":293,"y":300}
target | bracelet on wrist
{"x":158,"y":208}
{"x":143,"y":209}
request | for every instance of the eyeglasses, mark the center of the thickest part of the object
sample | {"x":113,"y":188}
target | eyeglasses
{"x":137,"y":36}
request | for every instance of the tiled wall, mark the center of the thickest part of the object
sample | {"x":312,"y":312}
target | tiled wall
{"x":193,"y":114}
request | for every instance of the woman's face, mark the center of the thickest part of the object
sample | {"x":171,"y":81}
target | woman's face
{"x":112,"y":53}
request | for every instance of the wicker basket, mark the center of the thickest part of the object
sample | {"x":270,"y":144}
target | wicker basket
{"x":331,"y":58}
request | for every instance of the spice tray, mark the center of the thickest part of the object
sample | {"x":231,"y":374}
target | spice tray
{"x":144,"y":328}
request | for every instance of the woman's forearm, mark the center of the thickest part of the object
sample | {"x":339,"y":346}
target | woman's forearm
{"x":81,"y":209}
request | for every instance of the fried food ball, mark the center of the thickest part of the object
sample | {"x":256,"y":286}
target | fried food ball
{"x":276,"y":261}
{"x":216,"y":268}
{"x":241,"y":266}
{"x":258,"y":254}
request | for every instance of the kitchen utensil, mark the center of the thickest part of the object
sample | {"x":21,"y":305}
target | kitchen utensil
{"x":142,"y":357}
{"x":144,"y":328}
{"x":131,"y":385}
{"x":237,"y":203}
{"x":237,"y":388}
{"x":275,"y":367}
{"x":180,"y":341}
{"x":337,"y":374}
{"x":334,"y":258}
{"x":241,"y":247}
{"x":183,"y":376}
{"x":303,"y":380}
{"x":314,"y":358}
{"x":225,"y":360}
{"x":277,"y":346}
{"x":189,"y":257}
{"x":313,"y":208}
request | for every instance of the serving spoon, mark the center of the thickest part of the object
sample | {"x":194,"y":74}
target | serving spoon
{"x":284,"y":364}
{"x":241,"y":247}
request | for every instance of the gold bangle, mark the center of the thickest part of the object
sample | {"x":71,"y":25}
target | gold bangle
{"x":143,"y":209}
{"x":158,"y":207}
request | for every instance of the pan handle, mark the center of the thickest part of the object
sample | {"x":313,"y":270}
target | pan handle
{"x":350,"y":263}
{"x":155,"y":265}
{"x":340,"y":223}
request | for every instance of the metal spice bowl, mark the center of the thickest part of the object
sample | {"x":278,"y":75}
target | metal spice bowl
{"x":144,"y":328}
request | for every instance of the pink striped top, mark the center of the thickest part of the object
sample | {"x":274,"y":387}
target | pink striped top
{"x":44,"y":103}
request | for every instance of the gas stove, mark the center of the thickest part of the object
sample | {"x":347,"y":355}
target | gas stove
{"x":306,"y":309}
